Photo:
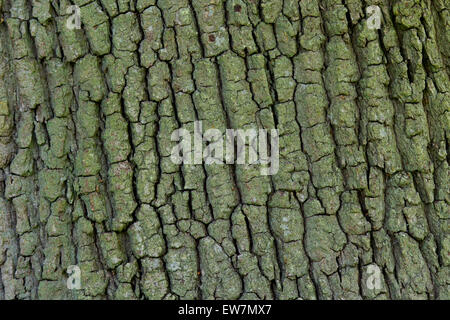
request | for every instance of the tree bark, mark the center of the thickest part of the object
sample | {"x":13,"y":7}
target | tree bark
{"x":359,"y":208}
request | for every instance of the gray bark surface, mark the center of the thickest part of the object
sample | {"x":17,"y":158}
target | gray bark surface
{"x":86,"y":177}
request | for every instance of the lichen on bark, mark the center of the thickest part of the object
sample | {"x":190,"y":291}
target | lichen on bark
{"x":87,"y":180}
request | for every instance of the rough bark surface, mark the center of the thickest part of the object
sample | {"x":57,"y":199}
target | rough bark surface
{"x":86,"y":178}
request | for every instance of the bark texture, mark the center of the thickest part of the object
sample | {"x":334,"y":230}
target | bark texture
{"x":86,"y":178}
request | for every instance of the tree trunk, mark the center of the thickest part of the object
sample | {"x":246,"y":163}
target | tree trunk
{"x":89,"y":191}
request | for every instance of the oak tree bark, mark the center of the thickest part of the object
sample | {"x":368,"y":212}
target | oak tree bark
{"x":359,"y":208}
